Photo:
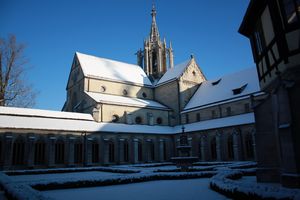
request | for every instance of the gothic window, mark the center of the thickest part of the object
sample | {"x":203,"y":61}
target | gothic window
{"x":102,"y":88}
{"x":126,"y":151}
{"x":78,"y":152}
{"x":111,"y":152}
{"x":249,"y":146}
{"x":138,"y":120}
{"x":125,"y":92}
{"x":39,"y":153}
{"x":159,"y":120}
{"x":198,"y":117}
{"x":144,"y":94}
{"x":115,"y":118}
{"x":95,"y":152}
{"x":230,"y":147}
{"x":59,"y":152}
{"x":213,"y":149}
{"x":18,"y":152}
{"x":140,"y":151}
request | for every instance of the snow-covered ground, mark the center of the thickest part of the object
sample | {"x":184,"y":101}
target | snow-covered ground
{"x":192,"y":189}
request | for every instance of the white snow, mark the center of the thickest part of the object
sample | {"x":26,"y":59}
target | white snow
{"x":102,"y":68}
{"x":213,"y":94}
{"x":191,"y":189}
{"x":127,"y":101}
{"x":173,"y":73}
{"x":43,"y":113}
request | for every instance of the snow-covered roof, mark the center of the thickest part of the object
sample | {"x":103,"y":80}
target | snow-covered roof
{"x":44,"y":113}
{"x":102,"y":68}
{"x":222,"y":89}
{"x":18,"y":119}
{"x":219,"y":123}
{"x":121,"y":100}
{"x":173,"y":73}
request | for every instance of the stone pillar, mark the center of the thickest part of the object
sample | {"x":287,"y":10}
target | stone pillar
{"x":101,"y":150}
{"x":253,"y":144}
{"x":105,"y":151}
{"x":135,"y":152}
{"x":70,"y":157}
{"x":121,"y":150}
{"x":161,"y":150}
{"x":51,"y":150}
{"x":236,"y":145}
{"x":219,"y":146}
{"x":30,"y":150}
{"x":8,"y":148}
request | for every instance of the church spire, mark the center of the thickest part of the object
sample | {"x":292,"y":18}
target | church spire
{"x":154,"y":34}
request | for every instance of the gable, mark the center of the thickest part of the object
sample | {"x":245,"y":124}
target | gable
{"x":75,"y":74}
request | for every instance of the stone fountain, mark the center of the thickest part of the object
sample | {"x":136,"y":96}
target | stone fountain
{"x":184,"y":160}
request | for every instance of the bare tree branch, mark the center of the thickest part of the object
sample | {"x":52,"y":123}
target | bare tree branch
{"x":14,"y":91}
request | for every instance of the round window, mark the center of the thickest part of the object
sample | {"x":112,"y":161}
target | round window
{"x":144,"y":94}
{"x":159,"y":120}
{"x":125,"y":92}
{"x":102,"y":88}
{"x":115,"y":118}
{"x":138,"y":120}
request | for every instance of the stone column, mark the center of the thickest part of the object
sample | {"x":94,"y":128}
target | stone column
{"x":135,"y":152}
{"x":8,"y":148}
{"x":105,"y":151}
{"x":161,"y":150}
{"x":70,"y":158}
{"x":30,"y":150}
{"x":121,"y":150}
{"x":51,"y":150}
{"x":219,"y":146}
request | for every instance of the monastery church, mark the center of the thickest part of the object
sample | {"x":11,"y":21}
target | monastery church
{"x":120,"y":113}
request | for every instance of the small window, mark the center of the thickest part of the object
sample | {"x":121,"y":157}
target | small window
{"x":125,"y":92}
{"x":144,"y":94}
{"x":115,"y":118}
{"x":247,"y":107}
{"x":187,"y":120}
{"x":159,"y":120}
{"x":138,"y":120}
{"x":102,"y":88}
{"x":213,"y":114}
{"x":239,"y":90}
{"x":194,"y":73}
{"x":216,"y":82}
{"x":198,"y":117}
{"x":228,"y":111}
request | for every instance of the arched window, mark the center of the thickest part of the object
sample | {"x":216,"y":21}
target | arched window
{"x":95,"y":152}
{"x":39,"y":152}
{"x":111,"y":152}
{"x":126,"y":151}
{"x":230,"y":147}
{"x":78,"y":152}
{"x":140,"y":151}
{"x":249,"y":146}
{"x":59,"y":152}
{"x":18,"y":152}
{"x":213,"y":151}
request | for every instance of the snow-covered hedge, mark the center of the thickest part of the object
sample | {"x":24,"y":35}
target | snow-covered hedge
{"x":69,"y":170}
{"x":124,"y":179}
{"x":225,"y":182}
{"x":18,"y":191}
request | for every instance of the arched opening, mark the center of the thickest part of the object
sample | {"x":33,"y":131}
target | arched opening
{"x":78,"y":152}
{"x":230,"y":147}
{"x":39,"y":152}
{"x":95,"y":152}
{"x":213,"y":149}
{"x":140,"y":151}
{"x":200,"y":150}
{"x":249,"y":146}
{"x":18,"y":152}
{"x":59,"y":152}
{"x":151,"y":151}
{"x":111,"y":151}
{"x":126,"y":151}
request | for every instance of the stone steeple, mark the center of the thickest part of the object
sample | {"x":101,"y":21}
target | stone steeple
{"x":155,"y":55}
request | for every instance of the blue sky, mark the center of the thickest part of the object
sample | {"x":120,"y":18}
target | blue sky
{"x":54,"y":30}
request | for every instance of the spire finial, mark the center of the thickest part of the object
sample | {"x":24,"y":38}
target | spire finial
{"x":154,"y":35}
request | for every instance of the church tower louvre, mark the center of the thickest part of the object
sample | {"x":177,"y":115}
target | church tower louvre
{"x":155,"y":58}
